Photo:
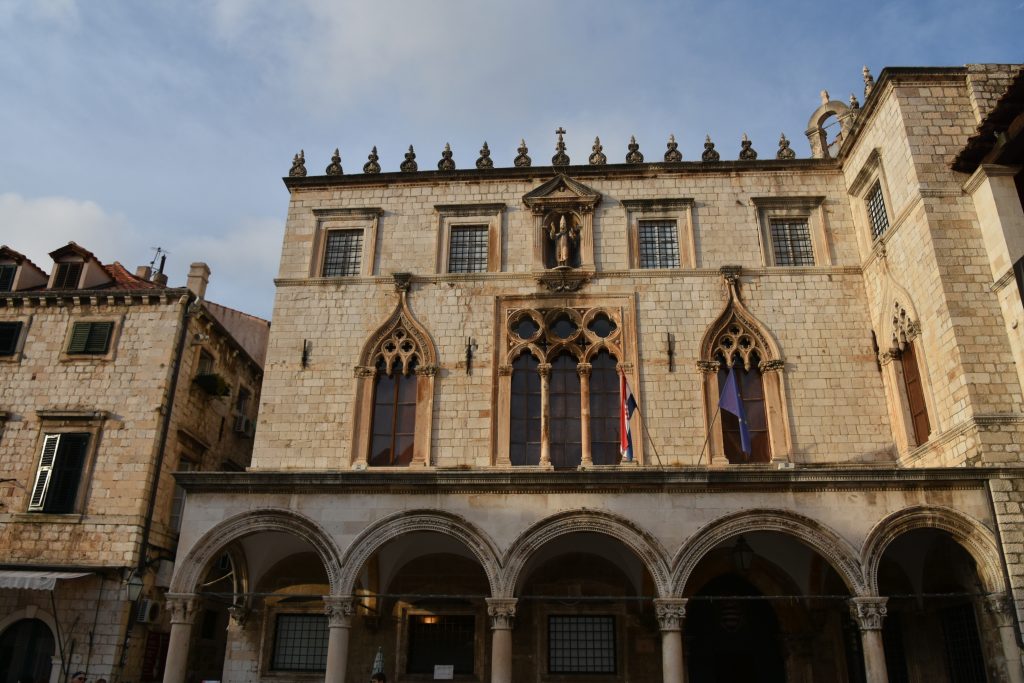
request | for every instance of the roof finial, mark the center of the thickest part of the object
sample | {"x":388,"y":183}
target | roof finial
{"x":560,"y":158}
{"x":522,"y":159}
{"x":485,"y":157}
{"x":869,"y":81}
{"x":334,"y":168}
{"x":824,"y":97}
{"x":747,"y":152}
{"x":446,"y":163}
{"x":598,"y":158}
{"x":633,"y":156}
{"x":298,"y":169}
{"x":372,"y":166}
{"x":854,"y":104}
{"x":784,"y":151}
{"x":409,"y":165}
{"x":672,"y":154}
{"x":709,"y":150}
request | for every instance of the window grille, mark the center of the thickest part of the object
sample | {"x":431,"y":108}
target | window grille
{"x":876,"y":212}
{"x":467,"y":249}
{"x":68,"y":275}
{"x":9,"y":333}
{"x":442,"y":639}
{"x":963,"y":647}
{"x":7,"y":277}
{"x":90,"y":338}
{"x":791,"y":243}
{"x":659,"y":244}
{"x":581,"y":644}
{"x":300,"y":643}
{"x":343,"y":253}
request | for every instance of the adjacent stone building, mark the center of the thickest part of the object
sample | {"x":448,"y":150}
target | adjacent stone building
{"x":109,"y":382}
{"x":823,"y":481}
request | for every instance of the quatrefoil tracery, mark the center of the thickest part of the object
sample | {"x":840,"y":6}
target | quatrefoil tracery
{"x":398,"y":347}
{"x":737,"y":340}
{"x":548,"y":333}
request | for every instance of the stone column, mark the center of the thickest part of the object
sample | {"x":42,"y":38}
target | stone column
{"x":339,"y":619}
{"x":183,"y":608}
{"x":869,"y":613}
{"x":503,"y":613}
{"x":1000,"y":606}
{"x":545,"y":414}
{"x":583,"y":370}
{"x":670,"y":613}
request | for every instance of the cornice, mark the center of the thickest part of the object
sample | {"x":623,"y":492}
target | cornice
{"x":92,"y":297}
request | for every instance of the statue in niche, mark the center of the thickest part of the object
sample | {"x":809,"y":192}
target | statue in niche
{"x":564,"y":236}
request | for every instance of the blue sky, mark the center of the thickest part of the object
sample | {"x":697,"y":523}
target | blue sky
{"x":130,"y":125}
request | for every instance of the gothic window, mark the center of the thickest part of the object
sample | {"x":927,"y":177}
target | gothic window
{"x":915,"y":394}
{"x":564,"y":374}
{"x":751,"y":389}
{"x":905,"y":380}
{"x":394,"y":415}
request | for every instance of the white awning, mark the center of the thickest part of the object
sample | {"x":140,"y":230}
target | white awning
{"x":35,"y":581}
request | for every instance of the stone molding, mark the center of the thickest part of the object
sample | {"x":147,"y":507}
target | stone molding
{"x":183,"y":607}
{"x":1000,"y":606}
{"x":819,"y":538}
{"x":502,"y":612}
{"x":671,"y":612}
{"x":339,"y":611}
{"x":869,"y":612}
{"x":971,"y":534}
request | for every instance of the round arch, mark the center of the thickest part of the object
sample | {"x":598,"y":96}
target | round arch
{"x":250,"y":522}
{"x":840,"y":555}
{"x":971,"y":534}
{"x":373,"y":537}
{"x":30,"y":612}
{"x":645,"y":546}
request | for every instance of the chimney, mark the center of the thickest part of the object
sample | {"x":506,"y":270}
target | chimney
{"x":198,"y":278}
{"x":160,"y":279}
{"x":144,"y":272}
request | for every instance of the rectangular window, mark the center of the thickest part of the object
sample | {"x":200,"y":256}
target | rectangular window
{"x":9,"y":334}
{"x":7,"y":277}
{"x":205,"y":364}
{"x":178,"y":502}
{"x":91,"y":338}
{"x":581,"y":644}
{"x":659,"y":244}
{"x":343,"y":253}
{"x":300,"y":643}
{"x":876,"y":212}
{"x":791,"y":242}
{"x":59,"y":474}
{"x":67,"y":276}
{"x":915,"y":394}
{"x":441,"y":639}
{"x":467,"y":249}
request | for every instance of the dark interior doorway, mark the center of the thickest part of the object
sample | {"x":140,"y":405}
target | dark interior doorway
{"x":26,"y":652}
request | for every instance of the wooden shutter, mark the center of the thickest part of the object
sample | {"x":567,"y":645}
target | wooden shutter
{"x":92,"y":338}
{"x":50,"y":443}
{"x":915,"y":395}
{"x":67,"y":474}
{"x":79,"y":337}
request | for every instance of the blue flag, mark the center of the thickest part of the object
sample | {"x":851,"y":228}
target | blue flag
{"x":732,"y":402}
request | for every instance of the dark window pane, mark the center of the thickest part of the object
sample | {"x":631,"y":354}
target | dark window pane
{"x":394,"y":417}
{"x":526,"y":327}
{"x":524,"y":410}
{"x":467,"y":249}
{"x":659,"y":244}
{"x":564,"y":409}
{"x":563,"y":327}
{"x":7,"y":273}
{"x":604,"y":410}
{"x":602,"y":325}
{"x":9,"y":333}
{"x":343,"y":253}
{"x":67,"y":474}
{"x":791,"y":243}
{"x":67,"y":276}
{"x":876,"y":212}
{"x":581,"y":644}
{"x":752,"y":394}
{"x":445,"y":639}
{"x":300,"y":643}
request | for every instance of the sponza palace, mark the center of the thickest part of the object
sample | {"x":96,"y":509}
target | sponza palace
{"x":827,"y":359}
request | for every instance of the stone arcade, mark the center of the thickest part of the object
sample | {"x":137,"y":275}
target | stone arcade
{"x":437,"y":483}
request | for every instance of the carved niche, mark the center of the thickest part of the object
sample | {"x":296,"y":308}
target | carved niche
{"x":563,"y":211}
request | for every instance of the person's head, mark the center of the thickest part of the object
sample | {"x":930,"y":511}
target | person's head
{"x":379,"y":677}
{"x":78,"y":677}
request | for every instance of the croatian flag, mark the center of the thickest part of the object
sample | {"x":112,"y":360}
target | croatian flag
{"x":627,"y":404}
{"x":732,"y":402}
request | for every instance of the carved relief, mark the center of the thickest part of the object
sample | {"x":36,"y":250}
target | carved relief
{"x":183,"y":608}
{"x":869,"y":613}
{"x":339,"y":611}
{"x":670,"y":613}
{"x":502,"y":612}
{"x":904,"y":329}
{"x":400,"y":339}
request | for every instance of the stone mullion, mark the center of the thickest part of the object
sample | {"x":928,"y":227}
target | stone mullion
{"x":583,"y":370}
{"x":544,"y":369}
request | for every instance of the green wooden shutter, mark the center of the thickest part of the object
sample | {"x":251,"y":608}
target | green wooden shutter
{"x":99,"y":337}
{"x":79,"y":337}
{"x":50,"y":443}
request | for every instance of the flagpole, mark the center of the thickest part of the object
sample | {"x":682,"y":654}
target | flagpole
{"x":643,"y":423}
{"x":707,"y":436}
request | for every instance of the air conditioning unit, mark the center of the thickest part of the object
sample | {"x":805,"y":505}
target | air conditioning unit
{"x":244,"y":426}
{"x":148,"y":611}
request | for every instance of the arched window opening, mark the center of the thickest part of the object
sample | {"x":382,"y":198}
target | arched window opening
{"x":751,"y":389}
{"x":26,"y":651}
{"x":524,"y":440}
{"x":915,"y":394}
{"x":604,"y":410}
{"x":394,"y":415}
{"x":565,"y":439}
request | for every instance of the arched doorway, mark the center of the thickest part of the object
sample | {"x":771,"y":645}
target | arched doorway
{"x":935,"y":628}
{"x":764,"y":606}
{"x":26,"y":652}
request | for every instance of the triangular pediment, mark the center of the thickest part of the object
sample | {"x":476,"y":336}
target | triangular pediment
{"x":561,"y":191}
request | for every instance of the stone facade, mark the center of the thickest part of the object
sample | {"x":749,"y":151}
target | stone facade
{"x":134,"y":399}
{"x":874,"y":525}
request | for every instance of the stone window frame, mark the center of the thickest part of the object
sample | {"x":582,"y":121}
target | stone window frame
{"x":490,"y":215}
{"x":52,"y":422}
{"x":115,"y":336}
{"x":622,"y":310}
{"x":271,"y":611}
{"x":904,"y":329}
{"x":481,"y":626}
{"x":678,"y":210}
{"x":366,"y":219}
{"x":808,"y":208}
{"x":19,"y":344}
{"x":872,"y":173}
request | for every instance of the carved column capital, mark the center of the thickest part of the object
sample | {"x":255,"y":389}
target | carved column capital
{"x":502,"y":612}
{"x":238,"y":616}
{"x":183,"y":607}
{"x":583,"y":369}
{"x":364,"y":371}
{"x":401,"y":281}
{"x":869,"y":612}
{"x":670,"y":612}
{"x":707,"y":367}
{"x":426,"y":370}
{"x":774,"y":365}
{"x":339,"y":611}
{"x":544,"y":370}
{"x":1000,"y":606}
{"x":886,"y":357}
